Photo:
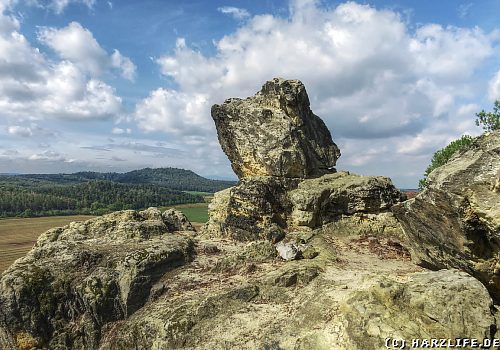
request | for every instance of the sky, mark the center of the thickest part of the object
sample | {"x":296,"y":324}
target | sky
{"x":120,"y":85}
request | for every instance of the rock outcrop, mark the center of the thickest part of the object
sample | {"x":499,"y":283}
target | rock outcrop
{"x":81,"y":277}
{"x":455,"y":221}
{"x":284,"y":156}
{"x":275,"y":133}
{"x":325,"y":267}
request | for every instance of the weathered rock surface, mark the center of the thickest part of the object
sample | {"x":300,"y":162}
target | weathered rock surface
{"x":345,"y":298}
{"x":263,"y":207}
{"x":254,"y":209}
{"x":80,"y":277}
{"x":328,"y":198}
{"x":275,"y":133}
{"x":125,"y":282}
{"x":455,"y":222}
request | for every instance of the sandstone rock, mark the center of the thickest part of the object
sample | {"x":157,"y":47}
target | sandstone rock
{"x":263,"y":207}
{"x":176,"y":220}
{"x":309,"y":304}
{"x":328,"y":198}
{"x":254,"y":209}
{"x":455,"y":222}
{"x":82,"y":276}
{"x":275,"y":133}
{"x":430,"y":305}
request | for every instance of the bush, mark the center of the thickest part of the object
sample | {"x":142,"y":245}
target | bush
{"x":442,"y":156}
{"x":489,"y":121}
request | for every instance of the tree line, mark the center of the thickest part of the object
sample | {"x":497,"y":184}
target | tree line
{"x":28,"y":197}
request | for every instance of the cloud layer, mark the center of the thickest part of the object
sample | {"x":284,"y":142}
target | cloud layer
{"x":368,"y":76}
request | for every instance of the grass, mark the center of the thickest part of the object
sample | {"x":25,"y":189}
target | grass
{"x":203,"y":194}
{"x":196,"y":212}
{"x":18,"y":235}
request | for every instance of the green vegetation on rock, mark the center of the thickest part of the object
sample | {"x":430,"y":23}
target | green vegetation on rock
{"x":442,"y":156}
{"x":489,"y":121}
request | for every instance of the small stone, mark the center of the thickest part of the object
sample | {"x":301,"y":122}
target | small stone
{"x":288,"y":251}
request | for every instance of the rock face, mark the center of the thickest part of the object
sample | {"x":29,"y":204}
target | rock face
{"x":455,"y":222}
{"x":262,"y":207}
{"x":275,"y":133}
{"x":125,"y":282}
{"x":319,"y":201}
{"x":83,"y":276}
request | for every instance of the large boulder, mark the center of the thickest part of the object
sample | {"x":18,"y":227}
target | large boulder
{"x":275,"y":133}
{"x":455,"y":221}
{"x":328,"y":198}
{"x":80,"y":277}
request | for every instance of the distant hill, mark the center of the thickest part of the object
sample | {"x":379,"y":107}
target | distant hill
{"x":173,"y":178}
{"x":98,"y":193}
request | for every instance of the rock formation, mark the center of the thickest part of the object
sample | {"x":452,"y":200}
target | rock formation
{"x":455,"y":222}
{"x":297,"y":260}
{"x":275,"y":133}
{"x":284,"y":156}
{"x":81,"y":277}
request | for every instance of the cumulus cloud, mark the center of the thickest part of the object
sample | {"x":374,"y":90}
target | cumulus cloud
{"x":368,"y":76}
{"x":77,"y":44}
{"x":173,"y":112}
{"x":235,"y":12}
{"x":32,"y":87}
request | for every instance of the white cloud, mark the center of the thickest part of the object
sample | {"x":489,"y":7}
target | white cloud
{"x":60,"y":5}
{"x":173,"y":112}
{"x":124,"y":64}
{"x":32,"y":87}
{"x":49,"y":155}
{"x":235,"y":12}
{"x":367,"y":74}
{"x":77,"y":44}
{"x":120,"y":131}
{"x":494,"y":87}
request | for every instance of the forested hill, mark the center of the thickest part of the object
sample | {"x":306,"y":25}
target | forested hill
{"x":99,"y":193}
{"x":173,"y":178}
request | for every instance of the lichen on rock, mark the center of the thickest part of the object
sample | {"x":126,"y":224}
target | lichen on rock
{"x":275,"y":133}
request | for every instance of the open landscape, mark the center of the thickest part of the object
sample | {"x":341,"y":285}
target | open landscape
{"x":270,"y":175}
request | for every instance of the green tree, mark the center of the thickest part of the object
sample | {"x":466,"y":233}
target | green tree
{"x":442,"y":156}
{"x":489,"y":121}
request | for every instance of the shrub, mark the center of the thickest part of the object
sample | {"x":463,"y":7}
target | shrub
{"x":442,"y":156}
{"x":489,"y":121}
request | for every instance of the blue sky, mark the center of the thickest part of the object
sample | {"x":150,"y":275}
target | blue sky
{"x":121,"y":85}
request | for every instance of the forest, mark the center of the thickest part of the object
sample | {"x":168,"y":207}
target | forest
{"x":99,"y":193}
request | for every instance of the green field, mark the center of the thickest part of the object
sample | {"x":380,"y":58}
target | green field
{"x":196,"y":212}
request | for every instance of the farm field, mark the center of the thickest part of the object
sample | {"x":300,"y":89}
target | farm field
{"x":18,"y":235}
